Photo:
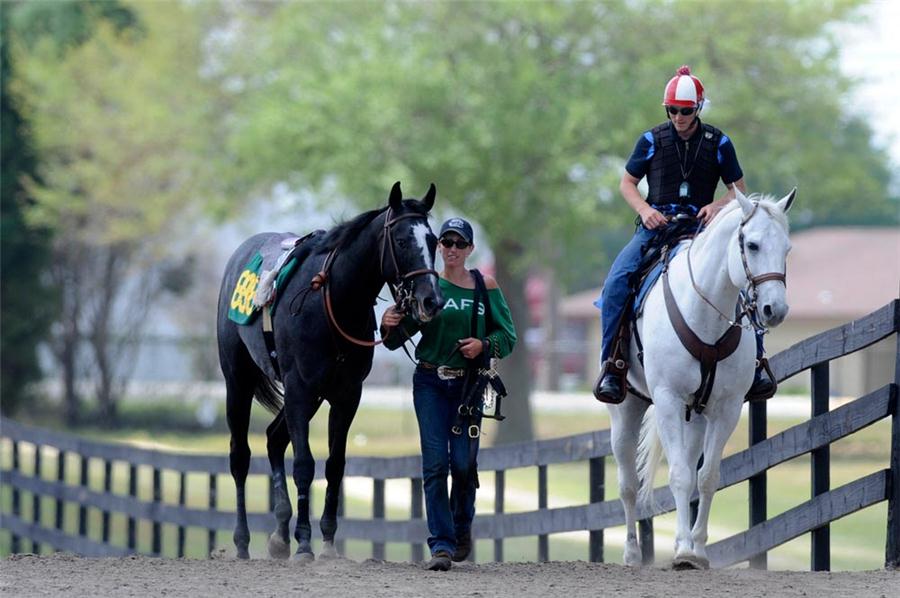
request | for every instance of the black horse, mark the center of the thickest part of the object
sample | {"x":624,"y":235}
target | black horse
{"x":322,"y":331}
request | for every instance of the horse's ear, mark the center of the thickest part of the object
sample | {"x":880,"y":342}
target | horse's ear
{"x":785,"y":202}
{"x":396,"y":198}
{"x":428,"y":200}
{"x":746,"y":204}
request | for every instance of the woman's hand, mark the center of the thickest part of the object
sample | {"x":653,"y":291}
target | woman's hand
{"x":470,"y":347}
{"x":391,"y":318}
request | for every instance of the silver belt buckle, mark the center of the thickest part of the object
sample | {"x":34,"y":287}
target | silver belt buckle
{"x":445,"y":373}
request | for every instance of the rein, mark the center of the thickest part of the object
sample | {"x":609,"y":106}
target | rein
{"x":402,"y":296}
{"x":753,"y":281}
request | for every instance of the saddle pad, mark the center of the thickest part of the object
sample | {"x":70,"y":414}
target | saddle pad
{"x":650,"y":279}
{"x":241,"y":309}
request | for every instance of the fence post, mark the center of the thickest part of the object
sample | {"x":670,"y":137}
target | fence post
{"x":36,"y":498}
{"x":61,"y":479}
{"x":210,"y":532}
{"x":645,"y":537}
{"x":820,"y":546}
{"x":417,"y":553}
{"x":597,"y":477}
{"x":182,"y":501}
{"x":15,"y":545}
{"x":82,"y":508}
{"x":339,"y":544}
{"x":378,"y":513}
{"x":892,"y":546}
{"x":107,"y":489}
{"x":757,"y":483}
{"x":132,"y":492}
{"x":157,"y":501}
{"x":543,"y":540}
{"x":499,"y":496}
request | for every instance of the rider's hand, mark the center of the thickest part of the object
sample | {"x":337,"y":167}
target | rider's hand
{"x":651,"y":217}
{"x":470,"y":347}
{"x":709,"y":211}
{"x":391,"y":318}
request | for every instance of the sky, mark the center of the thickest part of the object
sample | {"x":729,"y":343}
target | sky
{"x":872,"y":54}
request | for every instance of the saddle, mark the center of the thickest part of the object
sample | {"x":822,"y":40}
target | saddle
{"x":257,"y":287}
{"x":681,"y":226}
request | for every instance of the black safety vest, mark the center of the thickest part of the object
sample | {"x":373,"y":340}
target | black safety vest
{"x":664,"y":176}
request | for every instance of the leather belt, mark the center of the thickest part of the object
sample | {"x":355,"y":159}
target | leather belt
{"x":443,"y":372}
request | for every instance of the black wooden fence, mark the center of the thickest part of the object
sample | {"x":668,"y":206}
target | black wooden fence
{"x":813,"y":436}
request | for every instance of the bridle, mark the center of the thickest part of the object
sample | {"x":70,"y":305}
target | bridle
{"x":709,"y":355}
{"x":748,"y":303}
{"x":401,"y":286}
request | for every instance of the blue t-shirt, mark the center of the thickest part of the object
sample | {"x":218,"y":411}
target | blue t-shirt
{"x":639,"y":163}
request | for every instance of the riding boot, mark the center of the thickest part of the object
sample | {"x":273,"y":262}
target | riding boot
{"x":610,"y":387}
{"x":764,"y":386}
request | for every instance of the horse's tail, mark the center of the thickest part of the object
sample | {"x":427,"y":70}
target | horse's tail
{"x":648,"y":457}
{"x":268,"y":392}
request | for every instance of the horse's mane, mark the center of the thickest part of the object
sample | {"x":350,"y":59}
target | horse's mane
{"x":341,"y":234}
{"x":766,"y":202}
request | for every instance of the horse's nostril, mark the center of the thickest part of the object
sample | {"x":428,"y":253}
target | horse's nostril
{"x":429,"y":304}
{"x":767,"y":310}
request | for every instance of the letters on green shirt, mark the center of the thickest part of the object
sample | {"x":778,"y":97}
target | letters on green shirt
{"x":440,"y":335}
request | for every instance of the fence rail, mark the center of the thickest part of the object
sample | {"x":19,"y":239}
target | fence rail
{"x":813,"y":436}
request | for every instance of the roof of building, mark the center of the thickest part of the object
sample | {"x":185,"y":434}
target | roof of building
{"x":832,"y":272}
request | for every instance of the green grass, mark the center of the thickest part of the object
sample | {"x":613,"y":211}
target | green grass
{"x":857,"y":541}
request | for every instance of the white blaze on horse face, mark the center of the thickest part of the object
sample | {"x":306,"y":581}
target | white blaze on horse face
{"x":426,"y":291}
{"x":420,"y":233}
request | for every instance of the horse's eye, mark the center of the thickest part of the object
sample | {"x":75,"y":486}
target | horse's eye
{"x":752,"y":246}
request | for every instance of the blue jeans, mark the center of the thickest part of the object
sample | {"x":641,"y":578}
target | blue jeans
{"x":449,"y":516}
{"x":614,"y":296}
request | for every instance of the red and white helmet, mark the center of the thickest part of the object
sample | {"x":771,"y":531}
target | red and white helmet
{"x":683,"y":89}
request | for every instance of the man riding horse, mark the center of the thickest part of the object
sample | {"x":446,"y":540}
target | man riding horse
{"x":683,"y":160}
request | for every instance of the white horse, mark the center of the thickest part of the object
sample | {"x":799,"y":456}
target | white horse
{"x":744,"y":247}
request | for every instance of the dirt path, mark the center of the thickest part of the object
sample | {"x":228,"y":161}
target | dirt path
{"x":64,"y":575}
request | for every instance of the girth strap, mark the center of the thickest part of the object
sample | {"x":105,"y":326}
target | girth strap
{"x":708,"y":355}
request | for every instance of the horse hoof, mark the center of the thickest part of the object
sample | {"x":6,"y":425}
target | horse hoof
{"x":690,"y":562}
{"x":304,"y":557}
{"x":278,"y":548}
{"x":329,"y":552}
{"x":243,"y":553}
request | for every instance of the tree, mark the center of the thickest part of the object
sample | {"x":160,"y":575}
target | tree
{"x":121,"y":123}
{"x":25,"y":299}
{"x":524,"y":113}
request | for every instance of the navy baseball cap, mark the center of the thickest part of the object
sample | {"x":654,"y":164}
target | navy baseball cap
{"x":458,"y":226}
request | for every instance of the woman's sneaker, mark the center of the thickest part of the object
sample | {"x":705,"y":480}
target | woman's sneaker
{"x":463,"y":548}
{"x":440,"y":561}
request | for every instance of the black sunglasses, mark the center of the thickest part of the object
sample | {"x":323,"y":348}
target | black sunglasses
{"x":460,"y":244}
{"x":673,"y":110}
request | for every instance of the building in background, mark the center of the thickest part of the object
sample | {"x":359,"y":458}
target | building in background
{"x":834,"y":275}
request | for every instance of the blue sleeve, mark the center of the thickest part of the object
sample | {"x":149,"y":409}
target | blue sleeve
{"x":639,"y":161}
{"x":728,"y":162}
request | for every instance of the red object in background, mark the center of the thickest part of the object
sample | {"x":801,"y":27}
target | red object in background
{"x":535,"y":295}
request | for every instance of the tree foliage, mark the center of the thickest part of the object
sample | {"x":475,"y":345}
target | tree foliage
{"x":121,"y":124}
{"x":25,"y":300}
{"x":524,"y":113}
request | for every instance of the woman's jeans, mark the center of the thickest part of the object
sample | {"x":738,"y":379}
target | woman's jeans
{"x":449,"y":516}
